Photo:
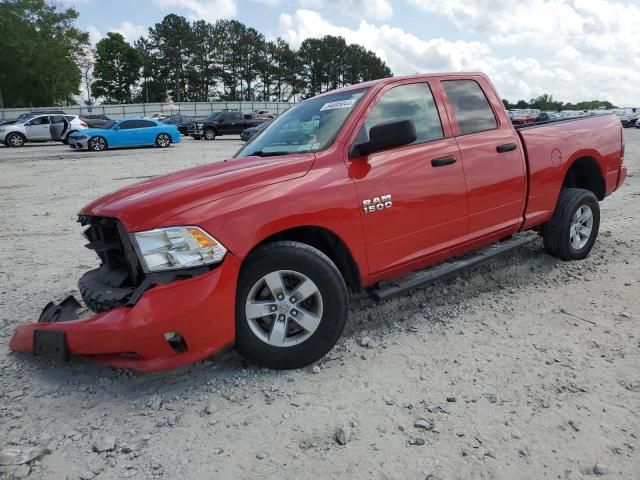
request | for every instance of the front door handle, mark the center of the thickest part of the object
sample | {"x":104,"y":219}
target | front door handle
{"x":507,"y":147}
{"x":442,"y":161}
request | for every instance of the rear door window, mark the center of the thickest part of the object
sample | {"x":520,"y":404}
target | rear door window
{"x":407,"y":102}
{"x":144,"y":124}
{"x":470,"y":106}
{"x":128,"y":124}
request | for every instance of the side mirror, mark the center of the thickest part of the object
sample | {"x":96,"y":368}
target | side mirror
{"x":386,"y":135}
{"x":116,"y":127}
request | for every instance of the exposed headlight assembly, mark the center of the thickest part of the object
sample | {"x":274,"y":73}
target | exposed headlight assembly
{"x":174,"y":248}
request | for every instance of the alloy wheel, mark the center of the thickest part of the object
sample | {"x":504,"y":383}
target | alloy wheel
{"x":284,"y":308}
{"x":98,"y":144}
{"x":164,"y":140}
{"x":581,"y":227}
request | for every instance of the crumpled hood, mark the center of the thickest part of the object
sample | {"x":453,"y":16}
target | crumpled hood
{"x":146,"y":205}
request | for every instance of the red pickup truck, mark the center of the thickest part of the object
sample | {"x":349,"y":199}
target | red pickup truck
{"x":365,"y":187}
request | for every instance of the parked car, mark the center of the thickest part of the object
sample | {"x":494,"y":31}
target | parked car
{"x":638,"y":123}
{"x":262,"y":115}
{"x":251,"y":131}
{"x":40,"y":128}
{"x":547,"y":117}
{"x":183,"y":123}
{"x":525,"y":119}
{"x":129,"y":132}
{"x":629,"y":120}
{"x":223,"y":123}
{"x":260,"y":251}
{"x":24,"y":116}
{"x":96,"y":121}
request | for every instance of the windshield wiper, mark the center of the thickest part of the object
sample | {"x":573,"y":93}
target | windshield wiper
{"x":260,"y":153}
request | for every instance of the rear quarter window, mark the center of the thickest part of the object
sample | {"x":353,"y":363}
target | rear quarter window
{"x":470,"y":106}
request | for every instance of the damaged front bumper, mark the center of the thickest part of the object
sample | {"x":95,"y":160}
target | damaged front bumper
{"x":163,"y":322}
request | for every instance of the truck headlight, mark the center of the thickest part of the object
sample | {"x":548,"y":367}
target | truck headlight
{"x":174,"y":248}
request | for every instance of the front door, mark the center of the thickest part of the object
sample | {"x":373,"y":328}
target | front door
{"x":412,"y":198}
{"x":128,"y":133}
{"x":494,"y":166}
{"x":38,"y":128}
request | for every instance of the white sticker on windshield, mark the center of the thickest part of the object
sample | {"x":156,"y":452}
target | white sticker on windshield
{"x":302,"y":148}
{"x":339,"y":104}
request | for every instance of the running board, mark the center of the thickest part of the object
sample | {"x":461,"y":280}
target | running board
{"x":424,"y":277}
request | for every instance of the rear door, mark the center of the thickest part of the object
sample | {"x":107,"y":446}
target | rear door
{"x":412,"y":198}
{"x":58,"y":127}
{"x":38,"y":128}
{"x":493,"y":162}
{"x":146,"y":132}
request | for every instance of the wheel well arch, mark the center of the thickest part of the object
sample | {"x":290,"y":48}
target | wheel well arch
{"x":328,"y":243}
{"x":585,"y":173}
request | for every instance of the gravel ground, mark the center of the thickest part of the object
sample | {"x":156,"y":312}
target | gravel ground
{"x":525,"y":368}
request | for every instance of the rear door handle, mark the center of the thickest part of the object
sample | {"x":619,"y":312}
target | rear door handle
{"x":507,"y":147}
{"x":442,"y":161}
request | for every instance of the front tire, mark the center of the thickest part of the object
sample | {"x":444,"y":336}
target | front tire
{"x":15,"y":140}
{"x":97,"y":144}
{"x":291,"y":306}
{"x":163,"y":140}
{"x":573,"y":229}
{"x":209,"y":134}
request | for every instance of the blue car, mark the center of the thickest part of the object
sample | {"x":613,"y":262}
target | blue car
{"x":128,"y":132}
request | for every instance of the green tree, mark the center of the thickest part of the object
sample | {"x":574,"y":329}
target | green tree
{"x":39,"y":45}
{"x":116,"y":70}
{"x":173,"y":39}
{"x":152,"y":88}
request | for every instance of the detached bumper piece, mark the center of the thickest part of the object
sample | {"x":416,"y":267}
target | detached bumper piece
{"x":62,"y":312}
{"x":146,"y":322}
{"x":169,"y":326}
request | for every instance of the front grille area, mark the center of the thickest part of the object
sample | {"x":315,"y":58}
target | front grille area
{"x":119,"y":274}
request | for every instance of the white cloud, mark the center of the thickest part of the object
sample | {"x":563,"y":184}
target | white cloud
{"x":128,"y":30}
{"x":209,"y":10}
{"x":589,"y":53}
{"x":94,"y":34}
{"x":378,"y":9}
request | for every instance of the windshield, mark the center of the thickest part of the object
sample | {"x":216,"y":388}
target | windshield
{"x":308,"y":127}
{"x":110,"y":125}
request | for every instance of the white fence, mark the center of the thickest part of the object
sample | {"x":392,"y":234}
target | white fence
{"x":193,"y":109}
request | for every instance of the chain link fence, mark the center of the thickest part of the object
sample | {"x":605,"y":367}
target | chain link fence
{"x":192,"y":109}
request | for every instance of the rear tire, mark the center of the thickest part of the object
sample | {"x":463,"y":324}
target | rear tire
{"x":209,"y":134}
{"x":573,"y":229}
{"x":97,"y":144}
{"x":163,"y":140}
{"x":15,"y":140}
{"x":293,"y":332}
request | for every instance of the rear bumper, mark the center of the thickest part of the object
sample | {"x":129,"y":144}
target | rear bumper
{"x":200,"y":309}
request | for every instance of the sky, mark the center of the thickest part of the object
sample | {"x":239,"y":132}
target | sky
{"x":573,"y":49}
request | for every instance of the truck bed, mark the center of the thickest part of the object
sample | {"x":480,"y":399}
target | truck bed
{"x":551,"y":146}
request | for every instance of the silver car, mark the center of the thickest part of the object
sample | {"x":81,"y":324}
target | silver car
{"x":40,"y":128}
